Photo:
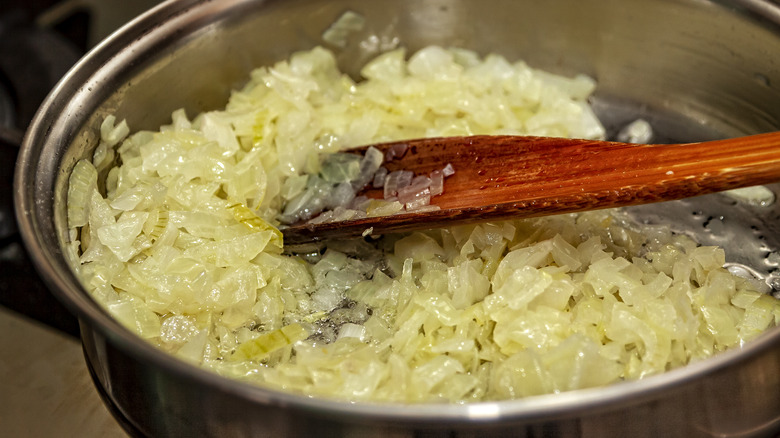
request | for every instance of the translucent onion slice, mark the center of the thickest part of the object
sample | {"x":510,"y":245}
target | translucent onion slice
{"x":83,"y":180}
{"x":418,"y":188}
{"x":397,"y":180}
{"x":260,"y":347}
{"x":245,"y":216}
{"x":369,"y":165}
{"x":379,"y":177}
{"x":437,"y":182}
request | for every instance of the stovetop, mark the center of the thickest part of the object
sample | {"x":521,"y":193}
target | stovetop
{"x":32,"y":59}
{"x":45,"y":387}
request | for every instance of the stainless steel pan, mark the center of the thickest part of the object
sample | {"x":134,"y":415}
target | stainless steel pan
{"x":696,"y":69}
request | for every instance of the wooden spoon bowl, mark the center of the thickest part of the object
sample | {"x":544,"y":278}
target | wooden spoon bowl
{"x":503,"y":177}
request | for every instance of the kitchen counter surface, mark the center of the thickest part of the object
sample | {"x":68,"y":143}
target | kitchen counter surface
{"x":45,"y":387}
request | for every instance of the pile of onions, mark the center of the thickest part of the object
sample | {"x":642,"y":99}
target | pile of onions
{"x":183,"y":245}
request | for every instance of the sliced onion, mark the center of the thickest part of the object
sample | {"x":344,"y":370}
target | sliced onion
{"x":371,"y":162}
{"x":379,"y":177}
{"x":395,"y":181}
{"x":342,"y":195}
{"x":350,"y":330}
{"x":638,"y":131}
{"x":83,"y":180}
{"x":417,"y":188}
{"x":397,"y":150}
{"x":421,"y":199}
{"x":437,"y":182}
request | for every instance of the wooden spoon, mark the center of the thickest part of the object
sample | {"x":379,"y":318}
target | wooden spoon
{"x":502,"y":177}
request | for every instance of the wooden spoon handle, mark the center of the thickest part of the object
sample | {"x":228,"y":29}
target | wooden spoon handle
{"x":500,"y":177}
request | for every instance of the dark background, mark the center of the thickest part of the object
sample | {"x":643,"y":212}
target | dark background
{"x":40,"y":40}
